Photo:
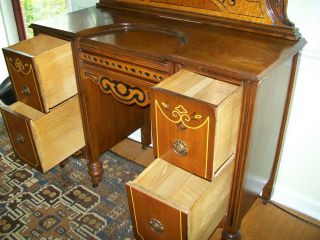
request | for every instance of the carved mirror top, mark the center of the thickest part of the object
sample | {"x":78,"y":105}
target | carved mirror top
{"x":267,"y":13}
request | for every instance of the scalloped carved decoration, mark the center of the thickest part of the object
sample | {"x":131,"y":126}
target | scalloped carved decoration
{"x":279,"y":11}
{"x":267,"y":12}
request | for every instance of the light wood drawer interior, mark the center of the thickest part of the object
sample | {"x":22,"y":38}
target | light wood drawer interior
{"x":195,"y":122}
{"x":44,"y":140}
{"x":167,"y":202}
{"x":42,"y":71}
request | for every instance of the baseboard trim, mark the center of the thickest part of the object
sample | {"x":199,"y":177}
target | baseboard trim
{"x":296,"y":201}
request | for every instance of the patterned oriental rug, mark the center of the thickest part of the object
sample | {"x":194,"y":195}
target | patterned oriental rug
{"x":61,"y":204}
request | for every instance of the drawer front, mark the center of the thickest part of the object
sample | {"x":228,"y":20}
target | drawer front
{"x":42,"y":71}
{"x":183,"y":132}
{"x":24,"y":79}
{"x":21,"y":136}
{"x":153,"y":219}
{"x":126,"y":89}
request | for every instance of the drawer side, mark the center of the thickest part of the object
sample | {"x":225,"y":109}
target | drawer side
{"x":59,"y":133}
{"x":56,"y":74}
{"x":227,"y":129}
{"x":212,"y":206}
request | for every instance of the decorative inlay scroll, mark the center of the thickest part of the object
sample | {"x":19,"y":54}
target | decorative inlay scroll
{"x":124,"y":92}
{"x":29,"y":89}
{"x":179,"y":115}
{"x":125,"y":67}
{"x":121,"y":91}
{"x":229,"y":2}
{"x":18,"y":66}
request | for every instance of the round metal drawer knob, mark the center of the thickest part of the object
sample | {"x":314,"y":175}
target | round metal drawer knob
{"x":180,"y":148}
{"x":25,"y":91}
{"x":156,"y":225}
{"x":20,"y":138}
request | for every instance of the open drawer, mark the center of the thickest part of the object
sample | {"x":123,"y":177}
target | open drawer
{"x":167,"y":202}
{"x":195,"y":122}
{"x":42,"y":72}
{"x":44,"y":140}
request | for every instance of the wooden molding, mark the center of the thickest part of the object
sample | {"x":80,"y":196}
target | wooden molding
{"x":265,"y":17}
{"x":18,"y":15}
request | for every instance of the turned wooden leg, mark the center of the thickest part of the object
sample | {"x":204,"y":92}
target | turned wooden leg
{"x":230,"y":236}
{"x":146,"y":129}
{"x":95,"y":171}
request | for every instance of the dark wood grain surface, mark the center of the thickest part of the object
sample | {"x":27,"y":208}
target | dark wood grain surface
{"x":237,"y":53}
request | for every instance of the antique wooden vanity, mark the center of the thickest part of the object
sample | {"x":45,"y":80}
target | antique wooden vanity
{"x":122,"y":48}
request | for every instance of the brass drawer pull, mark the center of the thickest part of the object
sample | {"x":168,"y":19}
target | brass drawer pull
{"x":20,"y":138}
{"x":25,"y":91}
{"x":180,"y":148}
{"x":156,"y":225}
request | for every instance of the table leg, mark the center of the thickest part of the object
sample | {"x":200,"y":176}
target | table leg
{"x":95,"y":171}
{"x":146,"y":129}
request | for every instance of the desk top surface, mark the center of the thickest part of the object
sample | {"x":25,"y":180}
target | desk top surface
{"x":240,"y":54}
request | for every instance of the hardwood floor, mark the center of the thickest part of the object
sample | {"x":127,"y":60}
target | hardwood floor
{"x":268,"y":222}
{"x":263,"y":221}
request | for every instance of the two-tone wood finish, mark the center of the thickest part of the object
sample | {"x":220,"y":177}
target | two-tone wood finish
{"x":118,"y":87}
{"x":261,"y":16}
{"x":44,"y":140}
{"x":42,"y":72}
{"x":195,"y":122}
{"x":211,"y":46}
{"x":167,"y":202}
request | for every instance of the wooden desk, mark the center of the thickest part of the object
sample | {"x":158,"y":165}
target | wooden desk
{"x":263,"y":59}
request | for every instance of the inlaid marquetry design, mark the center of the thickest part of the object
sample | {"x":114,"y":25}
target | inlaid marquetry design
{"x":268,"y":12}
{"x":186,"y":122}
{"x":18,"y":66}
{"x":124,"y":92}
{"x":180,"y":116}
{"x":25,"y":82}
{"x":125,"y":67}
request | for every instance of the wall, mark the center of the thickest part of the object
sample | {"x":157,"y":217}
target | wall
{"x":298,"y":179}
{"x":8,"y":33}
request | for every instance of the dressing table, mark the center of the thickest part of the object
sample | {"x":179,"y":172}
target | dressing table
{"x":123,"y":48}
